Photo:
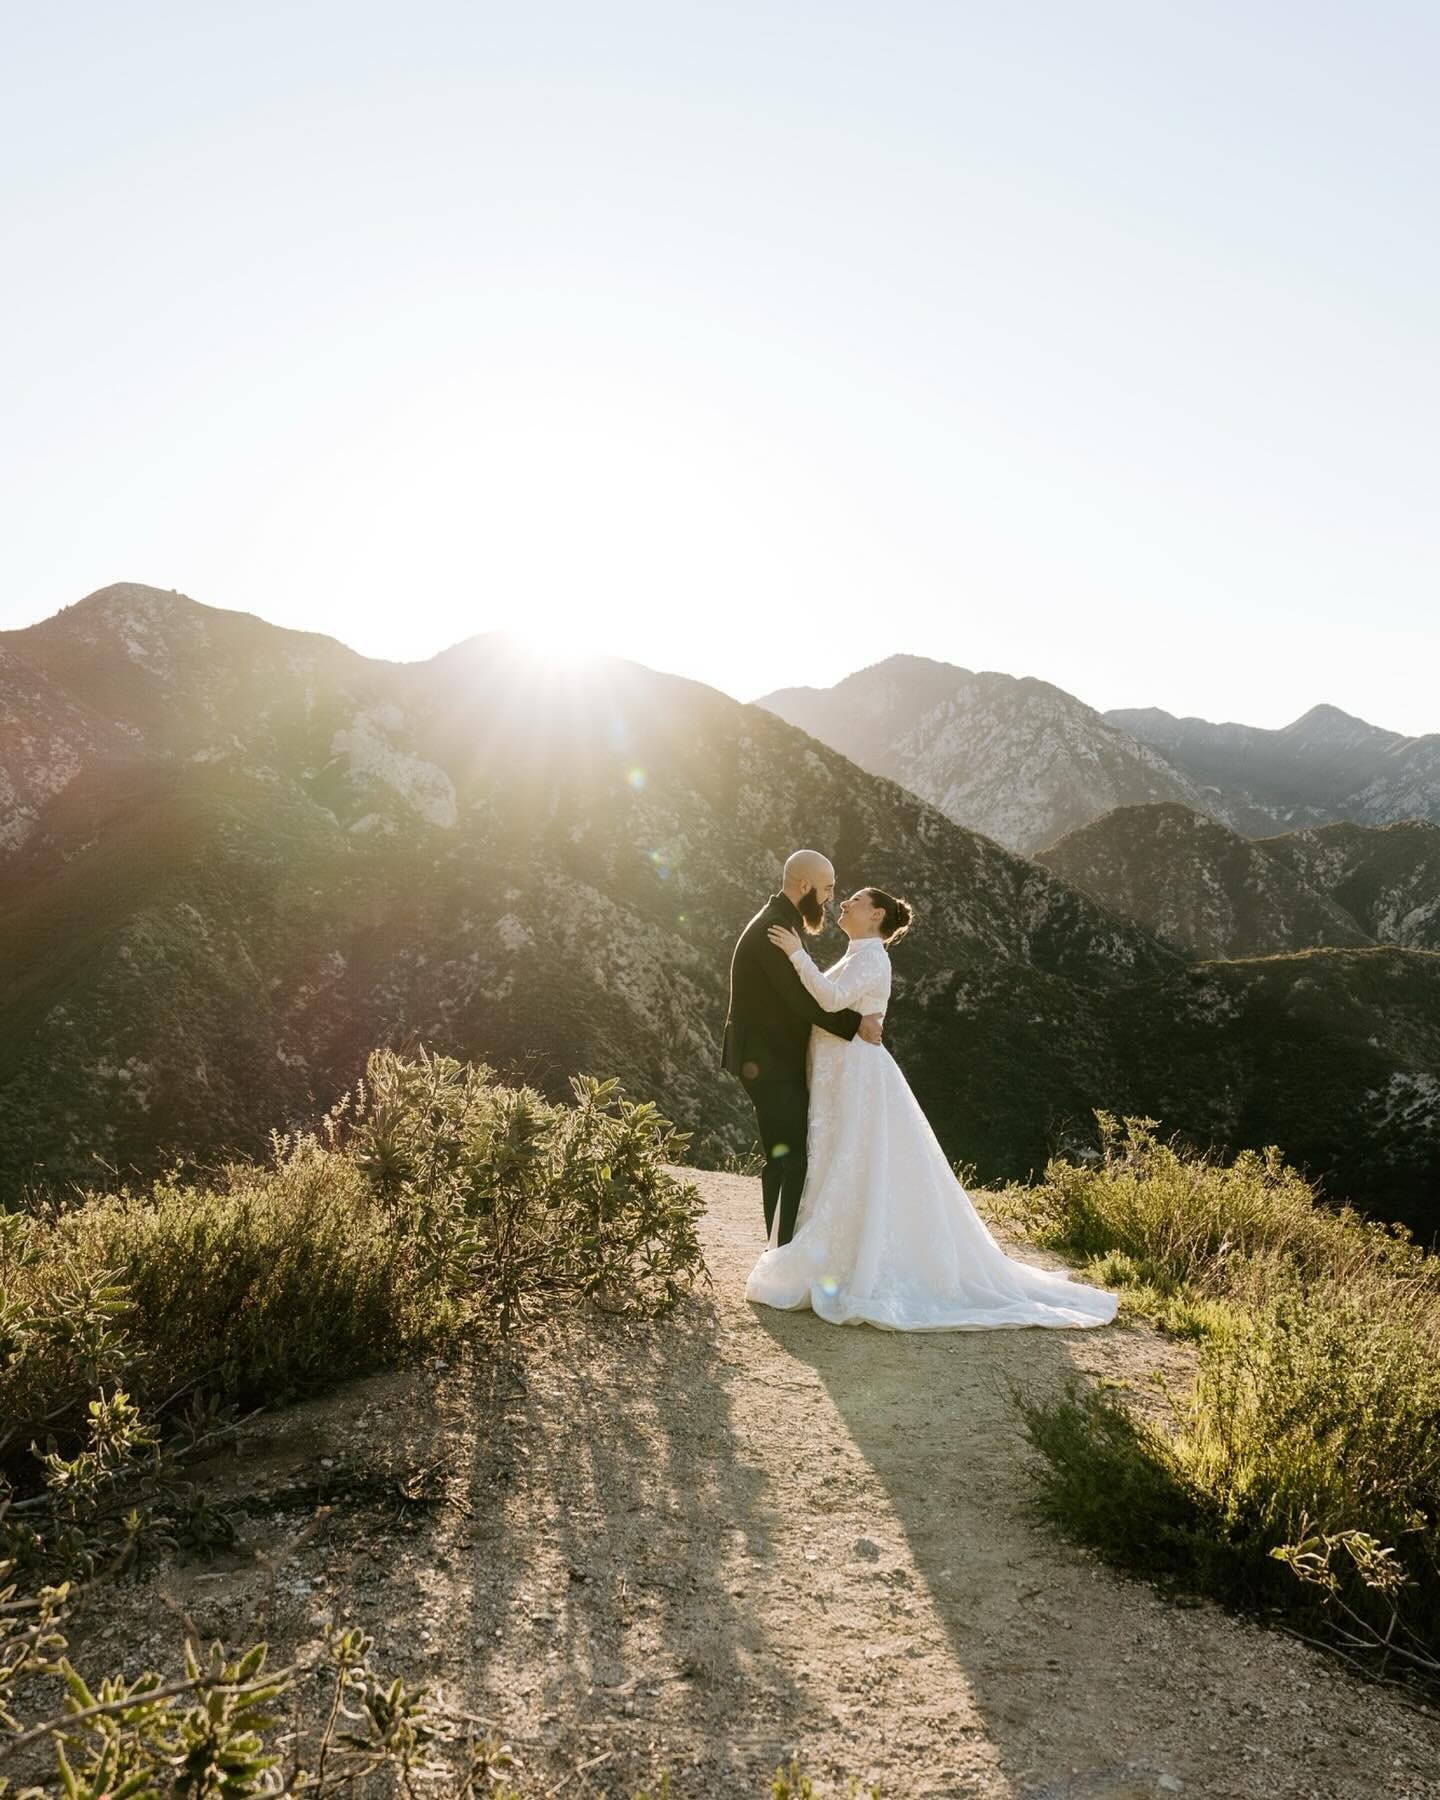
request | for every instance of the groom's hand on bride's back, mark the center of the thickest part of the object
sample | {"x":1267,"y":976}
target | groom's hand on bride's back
{"x":870,"y":1028}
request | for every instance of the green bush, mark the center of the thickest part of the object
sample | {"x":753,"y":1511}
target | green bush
{"x":431,"y":1203}
{"x":524,"y":1201}
{"x":263,"y":1285}
{"x":1309,"y":1446}
{"x":1188,"y":1219}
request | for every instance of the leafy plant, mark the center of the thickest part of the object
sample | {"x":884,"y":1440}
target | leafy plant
{"x":430,"y":1204}
{"x":1301,"y":1474}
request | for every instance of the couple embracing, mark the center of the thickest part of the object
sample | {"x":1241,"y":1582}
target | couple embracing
{"x":867,"y":1222}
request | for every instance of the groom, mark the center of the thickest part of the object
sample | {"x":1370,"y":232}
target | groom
{"x":767,"y":1030}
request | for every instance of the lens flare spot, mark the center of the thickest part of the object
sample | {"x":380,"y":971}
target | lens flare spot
{"x":749,"y":1070}
{"x":779,"y":1149}
{"x":829,"y":1286}
{"x":636,"y":778}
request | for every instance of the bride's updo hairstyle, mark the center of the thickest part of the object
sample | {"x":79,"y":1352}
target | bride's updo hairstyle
{"x":896,"y":921}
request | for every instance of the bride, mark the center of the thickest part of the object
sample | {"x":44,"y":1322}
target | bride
{"x":886,"y":1235}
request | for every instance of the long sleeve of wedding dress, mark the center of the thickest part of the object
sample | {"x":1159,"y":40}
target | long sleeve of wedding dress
{"x":852,"y":979}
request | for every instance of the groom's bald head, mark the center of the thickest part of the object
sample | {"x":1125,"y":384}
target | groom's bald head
{"x":806,"y":868}
{"x":808,"y":879}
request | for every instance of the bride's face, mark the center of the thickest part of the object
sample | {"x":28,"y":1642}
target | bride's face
{"x":859,"y":916}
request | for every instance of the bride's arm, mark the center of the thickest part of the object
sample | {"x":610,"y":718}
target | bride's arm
{"x":833,"y":992}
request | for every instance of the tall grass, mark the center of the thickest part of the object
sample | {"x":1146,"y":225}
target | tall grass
{"x":1301,"y":1475}
{"x":1187,"y":1219}
{"x":263,"y":1284}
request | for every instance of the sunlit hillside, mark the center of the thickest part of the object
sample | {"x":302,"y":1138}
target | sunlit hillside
{"x":239,"y":856}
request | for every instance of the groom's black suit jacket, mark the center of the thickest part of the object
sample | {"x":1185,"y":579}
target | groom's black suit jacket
{"x":767,"y":1028}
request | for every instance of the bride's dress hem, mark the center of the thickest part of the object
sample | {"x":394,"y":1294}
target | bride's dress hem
{"x":857,"y":1314}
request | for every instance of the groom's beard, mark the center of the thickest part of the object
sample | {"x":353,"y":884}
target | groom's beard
{"x":811,"y":911}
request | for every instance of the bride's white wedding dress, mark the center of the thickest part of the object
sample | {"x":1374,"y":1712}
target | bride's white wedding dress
{"x":886,"y":1235}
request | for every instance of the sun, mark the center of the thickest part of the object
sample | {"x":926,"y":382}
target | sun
{"x":556,"y":645}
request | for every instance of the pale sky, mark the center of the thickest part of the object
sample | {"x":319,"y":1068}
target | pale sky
{"x":1093,"y":341}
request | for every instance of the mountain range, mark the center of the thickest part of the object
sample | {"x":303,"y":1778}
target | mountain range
{"x":233,"y":857}
{"x":1025,"y":762}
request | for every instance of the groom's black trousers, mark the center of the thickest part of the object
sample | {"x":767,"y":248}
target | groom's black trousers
{"x":782,"y":1113}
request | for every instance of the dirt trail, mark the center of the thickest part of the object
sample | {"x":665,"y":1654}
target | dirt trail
{"x":704,"y":1545}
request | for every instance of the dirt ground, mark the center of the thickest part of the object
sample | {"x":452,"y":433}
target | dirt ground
{"x":710,"y":1543}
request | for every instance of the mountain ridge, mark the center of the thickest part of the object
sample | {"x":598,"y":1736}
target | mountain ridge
{"x":1026,"y":762}
{"x":240,"y":858}
{"x":1013,"y":756}
{"x":349,"y":838}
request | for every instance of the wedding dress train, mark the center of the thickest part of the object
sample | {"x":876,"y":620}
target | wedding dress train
{"x":886,"y":1234}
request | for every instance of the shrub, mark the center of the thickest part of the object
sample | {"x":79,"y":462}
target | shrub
{"x":1189,"y":1219}
{"x":524,"y":1200}
{"x":431,"y":1203}
{"x":1309,"y":1446}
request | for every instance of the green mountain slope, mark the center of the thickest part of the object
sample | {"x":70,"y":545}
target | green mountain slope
{"x":1199,"y":885}
{"x":1386,"y":877}
{"x":243,"y":856}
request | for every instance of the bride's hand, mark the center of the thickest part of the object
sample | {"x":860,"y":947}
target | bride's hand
{"x":784,"y":939}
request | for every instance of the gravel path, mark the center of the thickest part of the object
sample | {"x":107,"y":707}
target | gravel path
{"x":706,"y":1544}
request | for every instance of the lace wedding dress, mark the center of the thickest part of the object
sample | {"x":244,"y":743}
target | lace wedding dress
{"x":886,"y":1235}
